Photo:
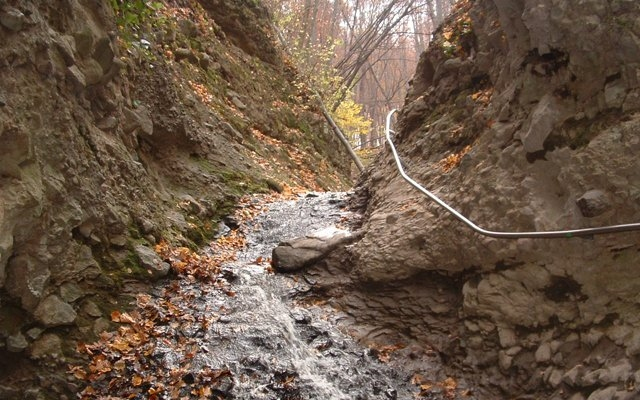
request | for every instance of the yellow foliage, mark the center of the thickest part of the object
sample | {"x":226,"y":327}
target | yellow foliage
{"x":350,"y":119}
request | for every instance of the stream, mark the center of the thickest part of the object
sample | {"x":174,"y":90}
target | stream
{"x":273,"y":348}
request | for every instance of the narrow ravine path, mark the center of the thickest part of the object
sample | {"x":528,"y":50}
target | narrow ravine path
{"x":229,"y":328}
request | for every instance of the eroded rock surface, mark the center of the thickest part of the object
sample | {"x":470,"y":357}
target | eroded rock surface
{"x":524,"y":116}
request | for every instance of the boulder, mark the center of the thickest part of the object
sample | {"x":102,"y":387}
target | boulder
{"x":12,"y":19}
{"x":593,"y":203}
{"x":52,"y":311}
{"x":299,"y":253}
{"x":151,"y":262}
{"x":46,"y":345}
{"x":16,"y":343}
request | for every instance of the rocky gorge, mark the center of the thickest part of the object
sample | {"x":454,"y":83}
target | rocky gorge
{"x":119,"y":137}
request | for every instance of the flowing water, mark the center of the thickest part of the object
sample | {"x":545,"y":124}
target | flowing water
{"x":274,"y":348}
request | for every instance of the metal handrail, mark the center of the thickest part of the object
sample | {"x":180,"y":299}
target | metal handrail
{"x":496,"y":234}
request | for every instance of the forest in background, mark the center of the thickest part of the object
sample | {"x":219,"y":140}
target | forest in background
{"x":358,"y":54}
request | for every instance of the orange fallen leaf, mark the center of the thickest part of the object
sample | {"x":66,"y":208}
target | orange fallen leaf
{"x":136,"y":380}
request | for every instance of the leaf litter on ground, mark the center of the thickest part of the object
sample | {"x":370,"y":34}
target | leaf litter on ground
{"x":122,"y":364}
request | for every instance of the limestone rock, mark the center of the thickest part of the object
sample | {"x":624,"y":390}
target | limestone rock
{"x":12,"y":19}
{"x":92,"y":71}
{"x":66,"y":47}
{"x":149,"y":260}
{"x":70,"y":292}
{"x":17,"y":343}
{"x":138,"y":118}
{"x":47,"y":345}
{"x":543,"y":353}
{"x":299,"y":253}
{"x":76,"y":77}
{"x":26,"y":280}
{"x":593,"y":203}
{"x":52,"y":311}
{"x":84,"y":42}
{"x":103,"y":53}
{"x":92,"y":309}
{"x":607,"y":393}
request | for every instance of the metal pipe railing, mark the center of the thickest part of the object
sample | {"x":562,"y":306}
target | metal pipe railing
{"x":498,"y":234}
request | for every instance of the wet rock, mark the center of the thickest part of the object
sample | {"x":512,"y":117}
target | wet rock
{"x":26,"y":280}
{"x":543,"y":353}
{"x":238,"y":103}
{"x":103,"y":53}
{"x":138,"y":119}
{"x":76,"y":77}
{"x":101,"y":325}
{"x":34,"y":333}
{"x":149,"y":259}
{"x":84,"y":42}
{"x":92,"y":71}
{"x":17,"y":343}
{"x":12,"y":19}
{"x":46,"y":345}
{"x":603,"y":394}
{"x":593,"y":203}
{"x":299,"y":253}
{"x":52,"y":311}
{"x":70,"y":292}
{"x":91,"y":309}
{"x":614,"y":94}
{"x":233,"y":132}
{"x":66,"y":47}
{"x":300,"y":316}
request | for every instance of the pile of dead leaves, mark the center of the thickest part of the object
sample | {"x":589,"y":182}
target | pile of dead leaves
{"x":126,"y":363}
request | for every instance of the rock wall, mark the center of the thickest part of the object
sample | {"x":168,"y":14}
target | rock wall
{"x":116,"y":136}
{"x":524,"y":115}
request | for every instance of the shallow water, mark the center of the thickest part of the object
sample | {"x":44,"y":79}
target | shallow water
{"x":274,"y":348}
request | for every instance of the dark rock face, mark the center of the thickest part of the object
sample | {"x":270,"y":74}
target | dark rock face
{"x":524,"y":116}
{"x":108,"y":146}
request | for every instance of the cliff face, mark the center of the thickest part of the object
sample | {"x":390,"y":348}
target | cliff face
{"x":524,"y":116}
{"x":113,"y":138}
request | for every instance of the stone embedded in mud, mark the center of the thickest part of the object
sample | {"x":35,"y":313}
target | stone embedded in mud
{"x":12,"y":19}
{"x":26,"y":280}
{"x":138,"y":119}
{"x":593,"y":203}
{"x":45,"y":346}
{"x":299,"y":253}
{"x":150,"y":261}
{"x":16,"y":343}
{"x":76,"y":77}
{"x":52,"y":311}
{"x":70,"y":292}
